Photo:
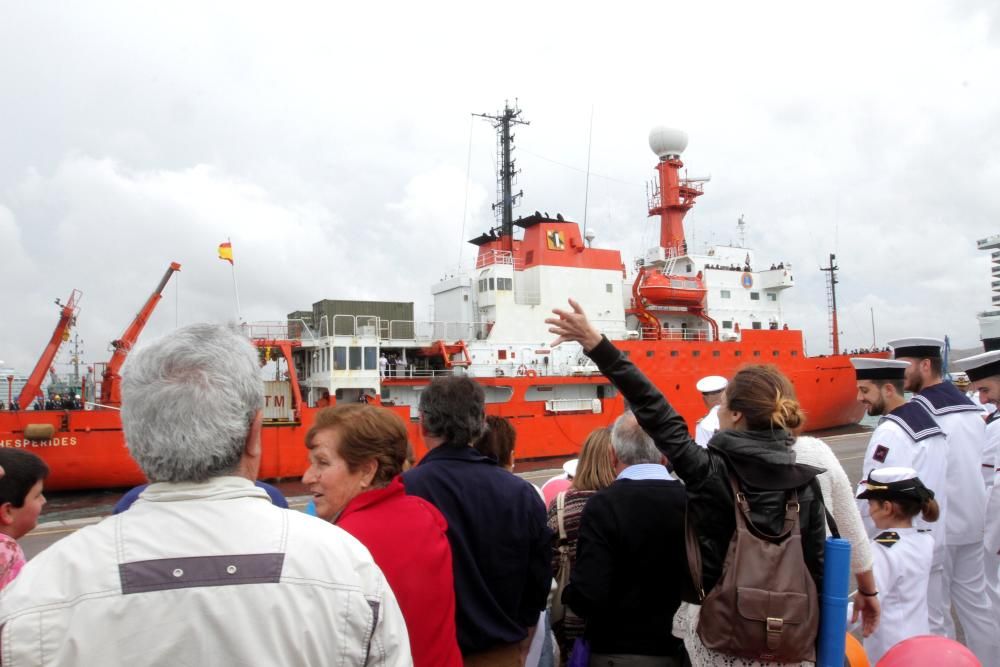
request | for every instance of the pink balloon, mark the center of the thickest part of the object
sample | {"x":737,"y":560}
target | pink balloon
{"x":929,"y":651}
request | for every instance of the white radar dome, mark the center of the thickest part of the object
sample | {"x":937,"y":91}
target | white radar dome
{"x":667,"y":142}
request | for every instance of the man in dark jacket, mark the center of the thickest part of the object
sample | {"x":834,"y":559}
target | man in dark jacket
{"x":630,"y":562}
{"x":500,"y":543}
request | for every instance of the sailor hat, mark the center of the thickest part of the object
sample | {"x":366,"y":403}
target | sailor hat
{"x":879,"y":369}
{"x":711,"y":384}
{"x":916,"y":348}
{"x":570,"y":467}
{"x":891,"y":483}
{"x":980,"y":366}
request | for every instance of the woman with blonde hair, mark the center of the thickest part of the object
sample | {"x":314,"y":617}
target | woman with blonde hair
{"x":594,"y":471}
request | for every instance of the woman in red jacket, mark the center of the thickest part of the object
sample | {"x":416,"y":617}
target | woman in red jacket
{"x":356,"y":453}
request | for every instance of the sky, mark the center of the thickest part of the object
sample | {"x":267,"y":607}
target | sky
{"x":334,"y":144}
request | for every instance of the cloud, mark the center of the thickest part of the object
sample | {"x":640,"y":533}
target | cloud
{"x":332,"y":144}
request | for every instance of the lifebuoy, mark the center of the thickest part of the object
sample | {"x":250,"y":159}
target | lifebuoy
{"x":531,"y":373}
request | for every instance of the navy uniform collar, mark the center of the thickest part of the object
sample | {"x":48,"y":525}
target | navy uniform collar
{"x":944,"y":398}
{"x":915,"y":420}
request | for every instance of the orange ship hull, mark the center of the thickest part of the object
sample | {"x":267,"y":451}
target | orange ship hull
{"x":88,"y":449}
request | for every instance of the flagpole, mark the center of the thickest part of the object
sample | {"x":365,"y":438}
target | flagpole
{"x":236,"y":289}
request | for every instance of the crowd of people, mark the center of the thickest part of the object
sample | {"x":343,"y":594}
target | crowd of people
{"x":655,"y":549}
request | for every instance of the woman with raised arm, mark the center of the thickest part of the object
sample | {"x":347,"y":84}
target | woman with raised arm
{"x":758,"y":416}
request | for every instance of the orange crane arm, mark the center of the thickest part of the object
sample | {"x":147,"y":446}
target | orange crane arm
{"x":111,"y":393}
{"x":67,"y":316}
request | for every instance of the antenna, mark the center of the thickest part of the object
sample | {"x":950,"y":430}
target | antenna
{"x":741,"y":226}
{"x":503,"y":209}
{"x":831,"y":300}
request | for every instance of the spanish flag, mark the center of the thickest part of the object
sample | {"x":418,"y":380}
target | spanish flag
{"x":226,"y":251}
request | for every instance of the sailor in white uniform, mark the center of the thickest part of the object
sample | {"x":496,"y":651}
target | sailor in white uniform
{"x":906,"y":436}
{"x":984,"y":378}
{"x":902,"y":555}
{"x":963,"y":575}
{"x":711,"y":388}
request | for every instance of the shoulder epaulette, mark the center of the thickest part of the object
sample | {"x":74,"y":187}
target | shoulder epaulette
{"x":923,"y":530}
{"x":915,"y":420}
{"x":888,"y":538}
{"x":944,"y":398}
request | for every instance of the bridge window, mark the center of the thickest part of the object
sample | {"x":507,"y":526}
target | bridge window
{"x":727,"y":324}
{"x":340,"y":358}
{"x":771,"y":296}
{"x":492,"y":285}
{"x":354,"y":358}
{"x":726,"y":294}
{"x":371,"y":359}
{"x":755,"y":296}
{"x":506,"y":284}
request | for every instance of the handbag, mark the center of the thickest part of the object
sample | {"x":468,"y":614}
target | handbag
{"x":562,"y":574}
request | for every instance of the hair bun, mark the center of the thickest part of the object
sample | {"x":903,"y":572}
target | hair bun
{"x":787,"y":413}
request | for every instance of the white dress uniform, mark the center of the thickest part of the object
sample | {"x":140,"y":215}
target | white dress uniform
{"x":902,"y":559}
{"x":908,"y":437}
{"x":964,"y":574}
{"x":707,"y":426}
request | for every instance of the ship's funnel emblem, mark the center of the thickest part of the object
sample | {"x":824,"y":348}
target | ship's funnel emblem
{"x":555,"y":240}
{"x":746,"y":280}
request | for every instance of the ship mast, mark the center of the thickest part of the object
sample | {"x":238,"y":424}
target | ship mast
{"x":503,"y":208}
{"x":831,"y":301}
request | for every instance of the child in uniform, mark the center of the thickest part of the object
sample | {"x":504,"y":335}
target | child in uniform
{"x":21,"y":502}
{"x":902,"y":555}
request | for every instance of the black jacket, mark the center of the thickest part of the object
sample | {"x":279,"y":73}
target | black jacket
{"x":762,"y":462}
{"x":500,"y":544}
{"x":630,"y":545}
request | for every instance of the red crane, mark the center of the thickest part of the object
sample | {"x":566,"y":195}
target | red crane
{"x":67,"y":318}
{"x":111,"y":388}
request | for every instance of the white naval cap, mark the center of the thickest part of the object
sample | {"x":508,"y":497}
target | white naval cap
{"x":570,"y":467}
{"x":711,"y":384}
{"x":866,"y":368}
{"x":980,"y":366}
{"x":918,"y":348}
{"x":894,"y":482}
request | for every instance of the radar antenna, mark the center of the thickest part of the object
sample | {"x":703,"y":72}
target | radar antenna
{"x":503,"y":209}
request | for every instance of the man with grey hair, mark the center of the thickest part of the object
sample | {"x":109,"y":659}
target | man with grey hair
{"x":630,"y":561}
{"x":203,"y":569}
{"x":500,"y":543}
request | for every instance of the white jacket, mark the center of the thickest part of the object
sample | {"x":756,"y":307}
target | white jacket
{"x":203,"y":574}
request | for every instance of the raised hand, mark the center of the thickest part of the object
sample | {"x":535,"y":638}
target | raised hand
{"x":573,"y":325}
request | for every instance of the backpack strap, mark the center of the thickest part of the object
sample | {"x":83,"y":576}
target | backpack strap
{"x":818,"y":492}
{"x":742,"y":507}
{"x":693,"y":550}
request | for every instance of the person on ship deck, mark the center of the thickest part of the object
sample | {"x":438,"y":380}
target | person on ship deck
{"x":356,"y":454}
{"x":758,"y":417}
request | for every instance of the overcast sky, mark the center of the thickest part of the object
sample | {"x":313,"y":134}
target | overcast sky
{"x":331,"y":142}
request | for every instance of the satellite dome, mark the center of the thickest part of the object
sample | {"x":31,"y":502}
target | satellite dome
{"x":667,"y":142}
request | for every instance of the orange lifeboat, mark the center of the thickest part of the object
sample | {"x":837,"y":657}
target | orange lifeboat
{"x":672,"y":290}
